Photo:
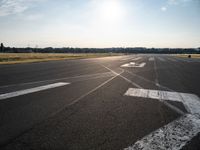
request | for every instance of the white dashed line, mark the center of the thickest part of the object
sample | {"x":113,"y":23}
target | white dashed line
{"x":177,"y":133}
{"x":32,"y":90}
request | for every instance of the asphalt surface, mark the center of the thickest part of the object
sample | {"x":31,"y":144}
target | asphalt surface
{"x":92,"y":112}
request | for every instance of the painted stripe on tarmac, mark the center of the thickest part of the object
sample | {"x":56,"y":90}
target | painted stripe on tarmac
{"x":151,"y":59}
{"x":137,"y":58}
{"x":133,"y":64}
{"x":172,"y":59}
{"x":125,"y":59}
{"x":170,"y":137}
{"x":161,"y":59}
{"x":176,"y":134}
{"x":57,"y":80}
{"x":32,"y":90}
{"x":154,"y":94}
{"x":190,"y":101}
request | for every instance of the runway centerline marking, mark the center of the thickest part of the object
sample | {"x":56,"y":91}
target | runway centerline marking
{"x":176,"y":134}
{"x":31,"y":90}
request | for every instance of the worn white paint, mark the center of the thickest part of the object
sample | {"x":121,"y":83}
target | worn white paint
{"x":172,"y":136}
{"x":137,"y":58}
{"x":32,"y":90}
{"x":190,"y":101}
{"x":123,"y":59}
{"x":133,"y":64}
{"x":154,"y":94}
{"x":172,"y":59}
{"x":151,"y":59}
{"x":59,"y":79}
{"x":177,"y":133}
{"x":161,"y":59}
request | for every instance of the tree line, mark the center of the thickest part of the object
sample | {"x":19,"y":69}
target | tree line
{"x":133,"y":50}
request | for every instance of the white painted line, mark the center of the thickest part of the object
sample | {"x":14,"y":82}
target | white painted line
{"x":172,"y":59}
{"x":55,"y":80}
{"x":125,"y":59}
{"x":190,"y":101}
{"x":151,"y":59}
{"x":134,"y":65}
{"x":120,"y":75}
{"x":177,"y":133}
{"x":156,"y":73}
{"x":32,"y":90}
{"x":154,"y":94}
{"x":138,"y":86}
{"x":170,"y":137}
{"x":161,"y":59}
{"x":142,"y":64}
{"x":137,"y":58}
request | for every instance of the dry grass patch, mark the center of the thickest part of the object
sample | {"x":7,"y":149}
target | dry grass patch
{"x":186,"y":55}
{"x":14,"y":58}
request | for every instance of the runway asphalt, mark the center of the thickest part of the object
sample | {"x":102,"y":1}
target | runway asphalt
{"x":121,"y":102}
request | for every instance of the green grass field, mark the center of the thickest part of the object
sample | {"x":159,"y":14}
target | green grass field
{"x":15,"y":58}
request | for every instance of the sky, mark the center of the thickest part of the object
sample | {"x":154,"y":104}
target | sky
{"x":100,"y":23}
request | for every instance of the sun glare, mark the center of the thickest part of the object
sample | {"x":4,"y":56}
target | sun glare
{"x":111,"y":10}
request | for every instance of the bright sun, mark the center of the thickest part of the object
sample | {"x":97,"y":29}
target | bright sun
{"x":111,"y":10}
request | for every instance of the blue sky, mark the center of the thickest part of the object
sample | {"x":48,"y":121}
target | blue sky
{"x":100,"y":23}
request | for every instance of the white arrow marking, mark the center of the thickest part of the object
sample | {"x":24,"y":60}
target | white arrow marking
{"x":177,"y":133}
{"x":32,"y":90}
{"x":133,"y":64}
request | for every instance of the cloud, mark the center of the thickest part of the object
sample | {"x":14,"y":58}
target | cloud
{"x":9,"y":7}
{"x":174,"y":2}
{"x":33,"y":17}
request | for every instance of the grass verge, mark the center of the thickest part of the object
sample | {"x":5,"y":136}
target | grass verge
{"x":186,"y":55}
{"x":16,"y":58}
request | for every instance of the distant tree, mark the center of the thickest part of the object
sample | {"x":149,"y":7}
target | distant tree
{"x":2,"y":47}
